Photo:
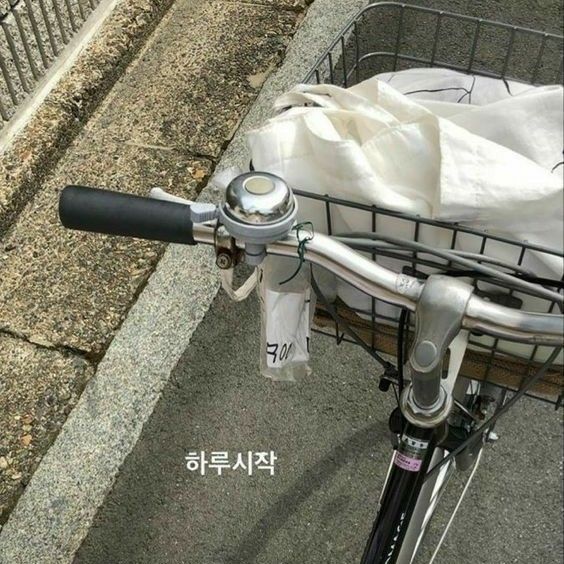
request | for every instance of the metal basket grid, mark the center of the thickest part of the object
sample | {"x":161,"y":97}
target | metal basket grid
{"x":390,"y":36}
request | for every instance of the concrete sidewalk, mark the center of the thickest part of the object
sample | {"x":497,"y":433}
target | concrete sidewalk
{"x":63,"y":295}
{"x":58,"y":505}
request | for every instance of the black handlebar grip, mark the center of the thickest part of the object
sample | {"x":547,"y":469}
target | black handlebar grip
{"x":115,"y":213}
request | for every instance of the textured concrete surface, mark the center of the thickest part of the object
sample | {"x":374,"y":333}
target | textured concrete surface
{"x":297,"y":5}
{"x":329,"y":433}
{"x":38,"y":388}
{"x":34,"y":153}
{"x":5,"y":6}
{"x":169,"y":106}
{"x":187,"y":93}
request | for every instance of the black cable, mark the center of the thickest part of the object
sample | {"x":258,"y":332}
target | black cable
{"x":401,"y":345}
{"x":469,"y":264}
{"x":387,"y":366}
{"x":395,"y":252}
{"x":528,"y":385}
{"x":559,"y":284}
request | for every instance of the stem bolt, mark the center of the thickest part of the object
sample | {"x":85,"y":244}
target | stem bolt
{"x":224,"y":260}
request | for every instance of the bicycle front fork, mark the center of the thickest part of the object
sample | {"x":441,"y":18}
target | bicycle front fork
{"x":405,"y":480}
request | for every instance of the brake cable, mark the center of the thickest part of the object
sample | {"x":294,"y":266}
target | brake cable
{"x":531,"y":381}
{"x":389,"y":368}
{"x":526,"y":286}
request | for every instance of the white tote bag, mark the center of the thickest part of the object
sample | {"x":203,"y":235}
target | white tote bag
{"x":489,"y":161}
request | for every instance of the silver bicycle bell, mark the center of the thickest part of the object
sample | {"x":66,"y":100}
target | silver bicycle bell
{"x":259,"y":208}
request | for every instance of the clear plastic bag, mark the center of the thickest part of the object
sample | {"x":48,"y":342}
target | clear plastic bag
{"x":286,"y":316}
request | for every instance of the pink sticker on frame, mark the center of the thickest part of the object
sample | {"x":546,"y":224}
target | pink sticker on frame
{"x":407,"y":463}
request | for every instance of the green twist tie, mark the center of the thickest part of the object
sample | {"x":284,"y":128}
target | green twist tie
{"x":307,"y":235}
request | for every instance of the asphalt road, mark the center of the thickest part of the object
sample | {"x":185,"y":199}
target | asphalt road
{"x":329,"y":434}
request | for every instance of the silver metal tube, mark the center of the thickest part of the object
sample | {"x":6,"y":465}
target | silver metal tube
{"x":15,"y":56}
{"x":48,"y":27}
{"x":3,"y":113}
{"x":360,"y":272}
{"x":513,"y":324}
{"x":72,"y":19}
{"x":8,"y":80}
{"x":25,"y":43}
{"x":203,"y":233}
{"x":36,"y":33}
{"x":427,"y":389}
{"x":59,"y":18}
{"x":403,"y":290}
{"x":81,"y":10}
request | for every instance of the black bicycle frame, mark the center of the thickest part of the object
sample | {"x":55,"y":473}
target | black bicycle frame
{"x":407,"y":475}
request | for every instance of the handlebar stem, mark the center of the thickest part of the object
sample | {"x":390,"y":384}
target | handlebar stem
{"x":439,"y":314}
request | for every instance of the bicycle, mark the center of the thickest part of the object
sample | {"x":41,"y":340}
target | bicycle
{"x":446,"y":410}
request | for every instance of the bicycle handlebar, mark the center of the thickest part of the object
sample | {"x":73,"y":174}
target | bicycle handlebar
{"x":403,"y":290}
{"x":116,"y":213}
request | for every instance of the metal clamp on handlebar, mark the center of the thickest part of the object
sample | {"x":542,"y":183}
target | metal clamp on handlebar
{"x":438,"y":319}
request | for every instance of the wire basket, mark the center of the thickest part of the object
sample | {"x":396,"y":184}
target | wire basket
{"x":390,"y":36}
